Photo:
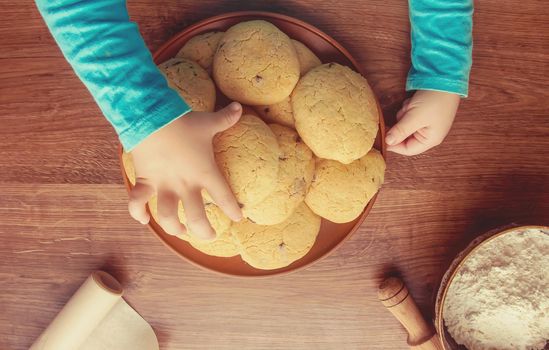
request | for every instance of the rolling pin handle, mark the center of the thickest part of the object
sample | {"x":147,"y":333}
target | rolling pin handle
{"x":394,"y":295}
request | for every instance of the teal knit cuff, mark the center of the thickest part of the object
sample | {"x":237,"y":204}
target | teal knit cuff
{"x":157,"y":119}
{"x":416,"y":82}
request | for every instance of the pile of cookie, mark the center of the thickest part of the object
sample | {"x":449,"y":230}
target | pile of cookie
{"x":302,"y":149}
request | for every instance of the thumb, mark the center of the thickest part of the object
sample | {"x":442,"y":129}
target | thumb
{"x":406,"y":126}
{"x":227,"y":117}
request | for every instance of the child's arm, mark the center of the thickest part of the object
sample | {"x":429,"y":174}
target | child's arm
{"x":173,"y":156}
{"x":441,"y":34}
{"x":108,"y":54}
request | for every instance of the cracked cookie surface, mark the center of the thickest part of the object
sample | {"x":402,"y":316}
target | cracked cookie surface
{"x":281,"y":112}
{"x":247,"y":155}
{"x":201,"y":49}
{"x":295,"y":174}
{"x":340,"y":192}
{"x":277,"y":246}
{"x":307,"y":59}
{"x":192,"y":83}
{"x":256,"y":63}
{"x":335,"y":112}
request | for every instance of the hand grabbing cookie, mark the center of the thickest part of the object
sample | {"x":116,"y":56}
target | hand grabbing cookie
{"x":423,"y":122}
{"x":177,"y":162}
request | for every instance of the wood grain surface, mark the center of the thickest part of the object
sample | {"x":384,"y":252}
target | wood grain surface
{"x":63,"y":205}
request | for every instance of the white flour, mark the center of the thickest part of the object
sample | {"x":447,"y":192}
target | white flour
{"x":499,"y":298}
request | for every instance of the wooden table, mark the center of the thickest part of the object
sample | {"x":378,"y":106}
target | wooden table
{"x":63,"y":205}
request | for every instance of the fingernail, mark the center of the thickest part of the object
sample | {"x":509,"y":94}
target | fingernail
{"x":235,"y":107}
{"x":238,"y":217}
{"x":390,"y":140}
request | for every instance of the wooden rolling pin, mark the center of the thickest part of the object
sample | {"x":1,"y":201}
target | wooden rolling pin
{"x":397,"y":299}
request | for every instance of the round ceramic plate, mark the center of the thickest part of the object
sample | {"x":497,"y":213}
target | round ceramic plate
{"x":328,"y":50}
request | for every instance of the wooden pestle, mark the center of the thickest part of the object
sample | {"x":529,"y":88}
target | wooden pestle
{"x":397,"y":299}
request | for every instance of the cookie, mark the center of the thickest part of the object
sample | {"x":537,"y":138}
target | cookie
{"x":340,"y":192}
{"x":335,"y":113}
{"x":247,"y":154}
{"x":295,"y":174}
{"x":277,"y":246}
{"x":222,"y":246}
{"x":307,"y":59}
{"x":280,"y":113}
{"x":201,"y":49}
{"x":127,"y":163}
{"x":256,"y":63}
{"x":192,"y":83}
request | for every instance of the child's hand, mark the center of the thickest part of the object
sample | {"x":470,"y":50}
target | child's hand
{"x":177,"y":162}
{"x":423,"y":122}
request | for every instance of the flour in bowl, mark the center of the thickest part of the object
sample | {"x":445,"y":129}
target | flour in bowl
{"x":499,"y":298}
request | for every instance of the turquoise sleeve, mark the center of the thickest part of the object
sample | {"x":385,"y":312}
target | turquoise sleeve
{"x":109,"y":55}
{"x":441,"y":35}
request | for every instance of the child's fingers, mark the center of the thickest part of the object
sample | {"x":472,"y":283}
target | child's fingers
{"x":409,"y":147}
{"x":197,"y":221}
{"x":139,"y":196}
{"x":167,"y":213}
{"x":402,"y":129}
{"x":400,"y":114}
{"x":226,"y":117}
{"x":402,"y":111}
{"x":223,"y":196}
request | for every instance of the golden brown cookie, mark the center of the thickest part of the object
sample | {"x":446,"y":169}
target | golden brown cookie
{"x":277,"y":246}
{"x":340,"y":192}
{"x":294,"y":177}
{"x":335,"y":113}
{"x":280,"y":113}
{"x":201,"y":49}
{"x":256,"y":63}
{"x":192,"y":83}
{"x":307,"y":59}
{"x":127,"y":163}
{"x":222,"y":246}
{"x":247,"y":154}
